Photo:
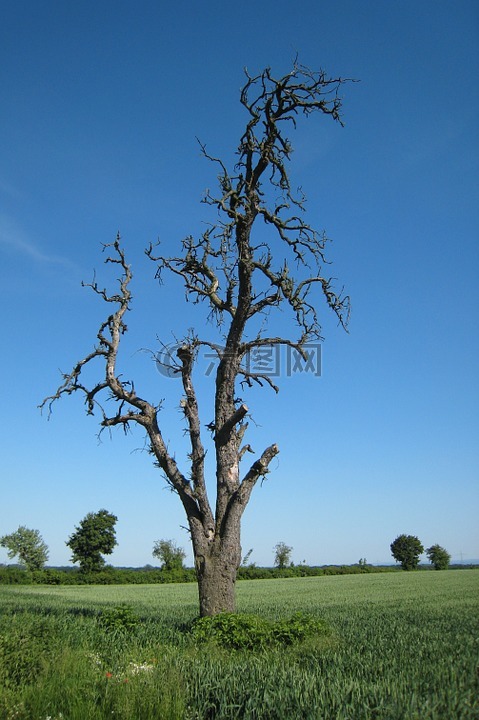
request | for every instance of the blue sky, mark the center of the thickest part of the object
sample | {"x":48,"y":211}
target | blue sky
{"x":101,"y":105}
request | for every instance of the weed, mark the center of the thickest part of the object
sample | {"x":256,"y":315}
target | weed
{"x":24,"y":650}
{"x":121,"y":618}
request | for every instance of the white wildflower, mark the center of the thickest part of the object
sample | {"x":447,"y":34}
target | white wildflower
{"x":136,"y":668}
{"x":96,"y":659}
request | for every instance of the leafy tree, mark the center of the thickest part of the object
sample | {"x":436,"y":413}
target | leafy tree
{"x":28,"y":544}
{"x":94,"y":537}
{"x":406,"y":550}
{"x":240,"y":269}
{"x":439,"y":557}
{"x":282,"y":555}
{"x":169,"y":554}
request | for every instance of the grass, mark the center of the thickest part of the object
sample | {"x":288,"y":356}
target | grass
{"x":401,"y":646}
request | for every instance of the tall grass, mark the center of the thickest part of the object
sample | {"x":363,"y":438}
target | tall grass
{"x":402,"y":646}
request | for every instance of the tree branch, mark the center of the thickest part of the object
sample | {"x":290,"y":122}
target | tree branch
{"x":121,"y":391}
{"x":260,"y":468}
{"x":186,"y":354}
{"x":224,"y":432}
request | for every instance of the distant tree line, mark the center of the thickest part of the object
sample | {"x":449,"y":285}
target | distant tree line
{"x":147,"y":575}
{"x":95,"y":537}
{"x":109,"y":575}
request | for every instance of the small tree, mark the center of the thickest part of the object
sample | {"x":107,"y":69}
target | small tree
{"x":406,"y":550}
{"x":169,"y":554}
{"x":94,"y":537}
{"x":245,"y":560}
{"x":28,"y":544}
{"x":282,"y":555}
{"x":439,"y":557}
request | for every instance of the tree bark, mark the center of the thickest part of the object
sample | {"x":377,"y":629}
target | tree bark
{"x":216,"y":569}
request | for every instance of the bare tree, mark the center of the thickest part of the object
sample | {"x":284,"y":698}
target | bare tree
{"x":241,"y":279}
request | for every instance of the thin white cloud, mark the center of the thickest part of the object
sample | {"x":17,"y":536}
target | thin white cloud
{"x":14,"y":238}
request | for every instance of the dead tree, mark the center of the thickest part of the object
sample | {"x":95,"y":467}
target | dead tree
{"x":240,"y":268}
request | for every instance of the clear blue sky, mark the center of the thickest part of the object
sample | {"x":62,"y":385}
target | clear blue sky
{"x":100,"y":106}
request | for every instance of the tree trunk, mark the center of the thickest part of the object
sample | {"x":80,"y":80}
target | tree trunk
{"x":216,"y":568}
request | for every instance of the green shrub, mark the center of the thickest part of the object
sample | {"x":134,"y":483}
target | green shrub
{"x":297,"y":628}
{"x":121,"y":618}
{"x":12,"y":575}
{"x":251,"y":632}
{"x":245,"y":632}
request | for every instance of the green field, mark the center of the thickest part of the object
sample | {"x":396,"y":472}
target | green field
{"x":399,"y":645}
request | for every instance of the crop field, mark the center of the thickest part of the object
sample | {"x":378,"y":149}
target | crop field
{"x":393,"y":646}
